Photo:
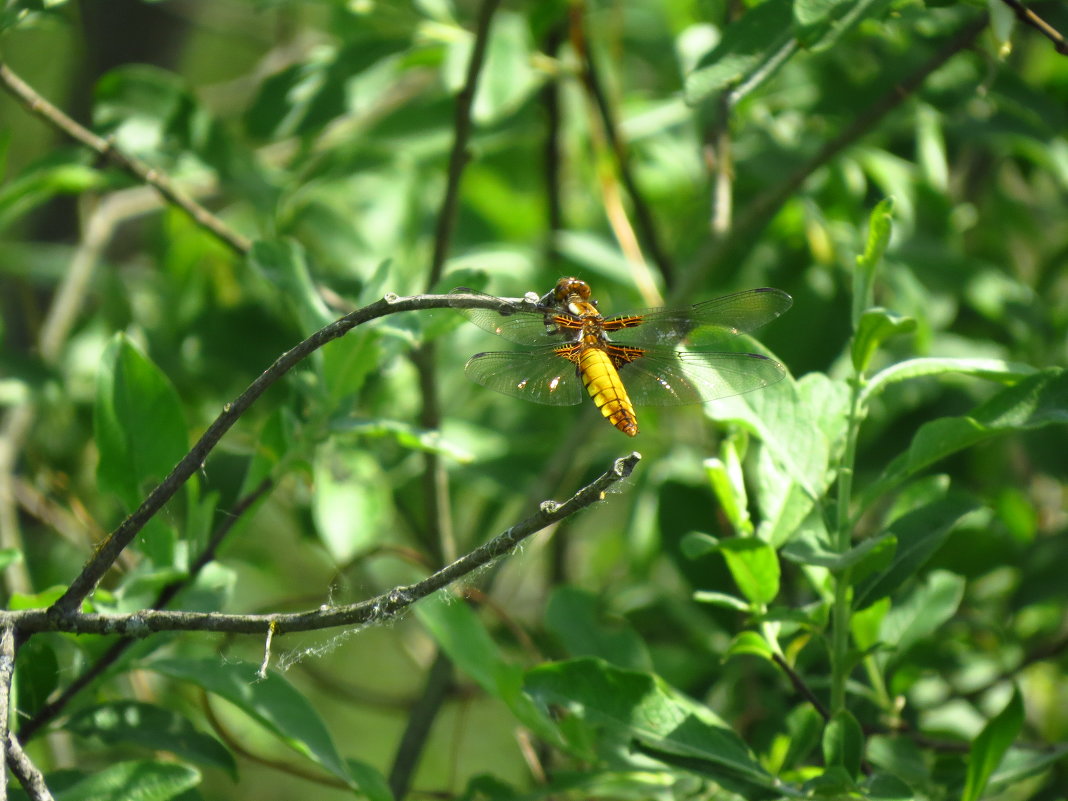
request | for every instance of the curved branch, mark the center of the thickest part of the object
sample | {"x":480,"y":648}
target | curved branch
{"x":108,"y":551}
{"x":374,"y":610}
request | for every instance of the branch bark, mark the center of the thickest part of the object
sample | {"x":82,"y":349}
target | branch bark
{"x":374,"y":610}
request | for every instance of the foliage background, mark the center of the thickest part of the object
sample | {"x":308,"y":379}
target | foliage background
{"x":322,"y":132}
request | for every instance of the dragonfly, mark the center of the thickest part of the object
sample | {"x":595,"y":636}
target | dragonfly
{"x":625,"y":360}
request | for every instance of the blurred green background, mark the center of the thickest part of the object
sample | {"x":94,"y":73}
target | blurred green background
{"x":322,"y":130}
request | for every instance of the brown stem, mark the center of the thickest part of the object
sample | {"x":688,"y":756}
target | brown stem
{"x":642,"y":213}
{"x":458,"y":156}
{"x":1031,"y":19}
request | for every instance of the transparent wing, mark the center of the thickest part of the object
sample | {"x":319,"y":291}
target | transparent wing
{"x":540,"y":376}
{"x":518,"y":323}
{"x":670,"y":378}
{"x":728,"y":315}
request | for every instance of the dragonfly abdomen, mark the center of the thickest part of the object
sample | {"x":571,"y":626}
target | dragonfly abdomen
{"x":602,"y":381}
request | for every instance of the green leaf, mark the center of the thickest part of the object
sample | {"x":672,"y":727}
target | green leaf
{"x":751,"y":46}
{"x":303,"y":98}
{"x":351,"y":504}
{"x":139,"y":425}
{"x":9,"y":556}
{"x":664,"y":723}
{"x":754,"y":566}
{"x":900,"y":756}
{"x":144,"y":780}
{"x":880,"y":226}
{"x":874,"y":328}
{"x":926,"y":608}
{"x":348,"y":361}
{"x":462,"y":636}
{"x":271,"y":701}
{"x":823,"y":22}
{"x":865,"y":624}
{"x":507,"y":78}
{"x":991,"y":369}
{"x":1019,"y":764}
{"x":146,"y":726}
{"x":42,"y":182}
{"x":752,"y":643}
{"x":919,"y":534}
{"x":725,"y":476}
{"x":36,"y":671}
{"x":572,"y":614}
{"x":721,"y":599}
{"x":801,"y":424}
{"x":370,"y":780}
{"x":886,"y":787}
{"x":809,"y":549}
{"x":697,"y":544}
{"x":843,"y":743}
{"x":990,"y":746}
{"x":804,"y":727}
{"x":284,"y":263}
{"x":1036,"y":401}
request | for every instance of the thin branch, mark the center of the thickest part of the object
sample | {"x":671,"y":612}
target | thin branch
{"x":459,"y":155}
{"x":25,"y":771}
{"x":594,"y":86}
{"x":374,"y":610}
{"x":106,"y":554}
{"x":553,"y":161}
{"x":720,"y":162}
{"x":420,"y":720}
{"x":48,"y":712}
{"x":7,"y":671}
{"x":800,"y":686}
{"x":758,"y":212}
{"x":1030,"y":18}
{"x":435,"y":479}
{"x":143,"y":172}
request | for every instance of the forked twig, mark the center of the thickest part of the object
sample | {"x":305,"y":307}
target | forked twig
{"x":374,"y":610}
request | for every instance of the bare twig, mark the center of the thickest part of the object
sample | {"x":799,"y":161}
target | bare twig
{"x":7,"y":670}
{"x":420,"y":720}
{"x":1030,"y":18}
{"x":462,"y":134}
{"x":33,"y":101}
{"x":440,"y":536}
{"x":594,"y":86}
{"x":374,"y":610}
{"x":550,"y":99}
{"x":106,"y":554}
{"x":721,"y":165}
{"x":25,"y":771}
{"x":800,"y":686}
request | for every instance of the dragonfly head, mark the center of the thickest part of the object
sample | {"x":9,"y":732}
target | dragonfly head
{"x":567,"y":288}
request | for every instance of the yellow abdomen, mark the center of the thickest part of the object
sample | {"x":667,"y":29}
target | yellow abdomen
{"x":605,"y":387}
